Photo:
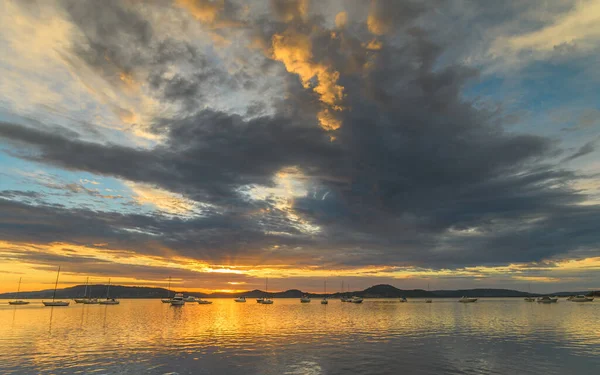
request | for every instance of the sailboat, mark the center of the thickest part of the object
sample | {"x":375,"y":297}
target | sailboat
{"x":168,"y":299}
{"x":17,"y":301}
{"x":266,"y":300}
{"x":240,"y":299}
{"x":428,"y":300}
{"x":324,"y":300}
{"x":82,"y":300}
{"x":529,"y":298}
{"x":54,"y":302}
{"x":345,"y":297}
{"x":305,"y":299}
{"x":108,"y":300}
{"x":89,"y":300}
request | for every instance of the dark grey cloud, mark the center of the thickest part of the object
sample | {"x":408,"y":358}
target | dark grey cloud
{"x":417,"y":174}
{"x":586,"y":149}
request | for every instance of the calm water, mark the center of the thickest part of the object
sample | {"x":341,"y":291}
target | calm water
{"x":494,"y":336}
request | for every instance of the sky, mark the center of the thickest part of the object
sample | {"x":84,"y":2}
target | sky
{"x":441,"y":144}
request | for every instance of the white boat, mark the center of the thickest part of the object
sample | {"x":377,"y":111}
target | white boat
{"x":581,"y":298}
{"x":190,"y":299}
{"x":554,"y":299}
{"x":240,"y":299}
{"x":546,"y":299}
{"x":54,"y":302}
{"x":108,"y":300}
{"x":167,"y":300}
{"x":305,"y":299}
{"x":17,"y":301}
{"x":324,"y":300}
{"x":403,"y":299}
{"x":177,"y":300}
{"x":356,"y":299}
{"x":266,"y":300}
{"x":91,"y":301}
{"x":81,"y":300}
{"x":203,"y":302}
{"x":464,"y":299}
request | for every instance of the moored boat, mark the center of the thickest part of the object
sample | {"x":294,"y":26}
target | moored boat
{"x":529,"y":299}
{"x":177,"y":300}
{"x":265,"y":300}
{"x":190,"y":299}
{"x":240,"y":299}
{"x":464,"y":299}
{"x":581,"y":298}
{"x":356,"y":299}
{"x":203,"y":302}
{"x":82,"y":300}
{"x":546,"y":299}
{"x":403,"y":299}
{"x":168,"y":299}
{"x":54,"y":302}
{"x":305,"y":299}
{"x":17,"y":301}
{"x":108,"y":300}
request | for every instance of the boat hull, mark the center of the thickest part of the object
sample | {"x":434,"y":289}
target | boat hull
{"x":584,"y":299}
{"x":56,"y":303}
{"x":108,"y":302}
{"x":467,"y":300}
{"x":204,"y":302}
{"x":18,"y":303}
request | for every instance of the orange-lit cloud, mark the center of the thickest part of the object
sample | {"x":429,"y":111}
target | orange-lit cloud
{"x":163,"y":200}
{"x":341,"y":19}
{"x":294,"y":50}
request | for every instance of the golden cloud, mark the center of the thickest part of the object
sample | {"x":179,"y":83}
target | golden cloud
{"x":163,"y":200}
{"x":341,"y":19}
{"x":294,"y":50}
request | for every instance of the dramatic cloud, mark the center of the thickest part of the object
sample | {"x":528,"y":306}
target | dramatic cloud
{"x":296,"y":134}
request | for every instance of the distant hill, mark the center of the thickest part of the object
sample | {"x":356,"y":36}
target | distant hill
{"x":376,"y":291}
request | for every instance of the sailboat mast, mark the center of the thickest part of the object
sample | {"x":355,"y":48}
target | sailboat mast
{"x":86,"y":285}
{"x":108,"y":288}
{"x":18,"y":288}
{"x":56,"y":284}
{"x":169,"y":288}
